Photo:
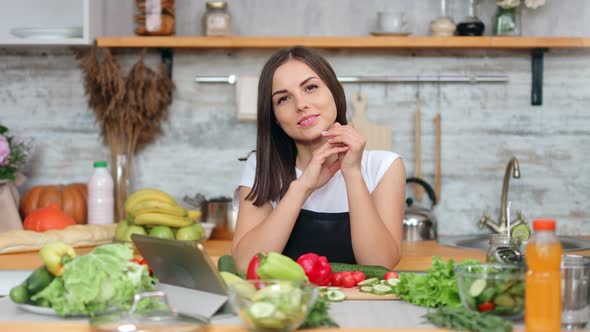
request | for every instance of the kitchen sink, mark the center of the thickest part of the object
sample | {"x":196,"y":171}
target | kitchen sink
{"x":481,"y":241}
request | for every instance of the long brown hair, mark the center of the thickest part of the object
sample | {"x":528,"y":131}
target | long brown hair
{"x":275,"y":150}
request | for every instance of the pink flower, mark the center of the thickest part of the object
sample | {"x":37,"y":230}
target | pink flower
{"x":4,"y":151}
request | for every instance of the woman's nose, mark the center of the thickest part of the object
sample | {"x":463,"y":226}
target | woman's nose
{"x":301,"y":103}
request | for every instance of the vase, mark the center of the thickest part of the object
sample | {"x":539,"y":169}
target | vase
{"x":507,"y":22}
{"x":121,"y":173}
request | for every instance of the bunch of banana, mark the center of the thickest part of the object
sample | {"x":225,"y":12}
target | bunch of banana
{"x":154,"y":212}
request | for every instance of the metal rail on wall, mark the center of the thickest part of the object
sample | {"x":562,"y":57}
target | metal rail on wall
{"x":232,"y":79}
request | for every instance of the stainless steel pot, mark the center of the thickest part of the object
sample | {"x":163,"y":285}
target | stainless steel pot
{"x":220,"y":211}
{"x":420,"y":222}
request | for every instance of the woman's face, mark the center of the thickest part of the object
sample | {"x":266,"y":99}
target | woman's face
{"x":302,"y":103}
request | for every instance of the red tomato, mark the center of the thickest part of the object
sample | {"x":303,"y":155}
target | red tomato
{"x":390,"y":275}
{"x":486,"y":306}
{"x":336,"y":279}
{"x":358,"y":276}
{"x":348,"y":280}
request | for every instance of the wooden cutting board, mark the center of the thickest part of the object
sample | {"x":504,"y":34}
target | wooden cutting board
{"x":378,"y":137}
{"x":355,"y":294}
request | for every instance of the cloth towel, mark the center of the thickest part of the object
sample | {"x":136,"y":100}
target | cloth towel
{"x":247,"y":97}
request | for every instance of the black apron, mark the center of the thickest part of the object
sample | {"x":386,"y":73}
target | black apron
{"x":325,"y":234}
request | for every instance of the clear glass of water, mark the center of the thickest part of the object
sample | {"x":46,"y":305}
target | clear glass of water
{"x":575,"y":291}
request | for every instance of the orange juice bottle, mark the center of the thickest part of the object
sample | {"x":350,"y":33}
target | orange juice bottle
{"x":543,"y":279}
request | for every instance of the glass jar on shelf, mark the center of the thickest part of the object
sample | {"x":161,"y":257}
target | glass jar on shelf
{"x":154,"y":17}
{"x":216,"y":20}
{"x":471,"y":25}
{"x":444,"y":25}
{"x":504,"y":250}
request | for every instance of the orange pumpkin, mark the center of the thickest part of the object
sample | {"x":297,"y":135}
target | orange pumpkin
{"x":47,"y":218}
{"x":70,"y":198}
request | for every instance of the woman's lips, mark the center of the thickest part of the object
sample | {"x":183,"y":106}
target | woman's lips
{"x":308,"y":120}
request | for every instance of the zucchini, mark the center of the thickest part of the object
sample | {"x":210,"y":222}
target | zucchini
{"x":370,"y":271}
{"x":226,"y":264}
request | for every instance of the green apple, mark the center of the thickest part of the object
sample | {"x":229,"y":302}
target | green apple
{"x":188,"y":233}
{"x":120,"y":230}
{"x":133,"y":229}
{"x":161,"y":231}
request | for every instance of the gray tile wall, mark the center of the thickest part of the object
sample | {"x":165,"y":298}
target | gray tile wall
{"x":483,"y":125}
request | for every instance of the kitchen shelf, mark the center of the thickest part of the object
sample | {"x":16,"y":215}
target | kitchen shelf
{"x":345,"y":42}
{"x":537,"y":45}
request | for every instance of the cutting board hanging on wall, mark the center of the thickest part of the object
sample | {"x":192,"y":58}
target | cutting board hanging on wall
{"x":378,"y":137}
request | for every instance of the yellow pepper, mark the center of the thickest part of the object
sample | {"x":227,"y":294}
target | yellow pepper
{"x":54,"y":255}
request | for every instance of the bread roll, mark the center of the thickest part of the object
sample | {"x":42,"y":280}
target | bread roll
{"x":76,"y":236}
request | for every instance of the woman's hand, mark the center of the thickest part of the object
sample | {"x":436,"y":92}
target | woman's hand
{"x":318,"y":172}
{"x":347,"y":136}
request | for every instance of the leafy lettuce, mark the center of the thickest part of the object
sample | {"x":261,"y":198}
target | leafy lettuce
{"x":435,"y":288}
{"x":101,"y":280}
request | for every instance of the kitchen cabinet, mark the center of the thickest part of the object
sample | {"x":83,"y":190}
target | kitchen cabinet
{"x":55,"y":22}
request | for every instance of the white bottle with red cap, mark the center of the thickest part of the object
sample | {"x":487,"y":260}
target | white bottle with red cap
{"x":101,"y":207}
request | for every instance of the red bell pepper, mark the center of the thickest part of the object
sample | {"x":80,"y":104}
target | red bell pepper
{"x":252,"y":273}
{"x":316,"y":268}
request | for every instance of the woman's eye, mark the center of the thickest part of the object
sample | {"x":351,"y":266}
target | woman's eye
{"x":281,"y":100}
{"x":311,"y":87}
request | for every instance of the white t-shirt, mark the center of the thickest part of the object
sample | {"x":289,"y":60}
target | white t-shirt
{"x":331,"y":197}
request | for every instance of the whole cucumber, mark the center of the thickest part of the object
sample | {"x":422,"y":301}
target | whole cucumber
{"x":370,"y":271}
{"x":38,"y":280}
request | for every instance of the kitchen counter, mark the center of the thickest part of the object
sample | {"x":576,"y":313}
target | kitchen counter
{"x":417,"y":256}
{"x":369,"y":315}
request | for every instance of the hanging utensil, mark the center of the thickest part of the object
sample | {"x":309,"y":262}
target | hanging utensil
{"x":378,"y":137}
{"x":437,"y":134}
{"x":418,"y":189}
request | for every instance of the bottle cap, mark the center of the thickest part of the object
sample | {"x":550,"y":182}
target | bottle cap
{"x":100,"y":164}
{"x":544,"y":225}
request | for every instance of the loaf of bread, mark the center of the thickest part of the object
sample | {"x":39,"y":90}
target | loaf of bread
{"x":76,"y":236}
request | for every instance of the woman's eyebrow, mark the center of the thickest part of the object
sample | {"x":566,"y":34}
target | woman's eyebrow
{"x":300,"y":84}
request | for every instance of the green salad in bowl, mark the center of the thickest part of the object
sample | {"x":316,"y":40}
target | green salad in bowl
{"x":493,"y":288}
{"x":272,"y":305}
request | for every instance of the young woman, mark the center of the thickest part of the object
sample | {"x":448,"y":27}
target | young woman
{"x":311,"y":186}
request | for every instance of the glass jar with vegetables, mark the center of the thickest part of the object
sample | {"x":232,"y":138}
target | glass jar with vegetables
{"x":504,"y":250}
{"x":154,"y":17}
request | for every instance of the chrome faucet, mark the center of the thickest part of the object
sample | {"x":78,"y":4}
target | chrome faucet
{"x":503,"y":224}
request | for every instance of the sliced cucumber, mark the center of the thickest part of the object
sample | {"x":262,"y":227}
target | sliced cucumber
{"x":333,"y":288}
{"x":381,"y":289}
{"x":262,"y":310}
{"x":477,"y":287}
{"x":335,"y":296}
{"x":366,"y":289}
{"x":368,"y":282}
{"x":391,"y":282}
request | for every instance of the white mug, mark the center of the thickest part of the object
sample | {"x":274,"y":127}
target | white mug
{"x":391,"y":22}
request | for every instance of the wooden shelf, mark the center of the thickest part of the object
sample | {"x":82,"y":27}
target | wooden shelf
{"x":346,"y":42}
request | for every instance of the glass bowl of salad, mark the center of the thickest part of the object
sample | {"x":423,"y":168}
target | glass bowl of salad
{"x":497,"y":289}
{"x":272,"y":305}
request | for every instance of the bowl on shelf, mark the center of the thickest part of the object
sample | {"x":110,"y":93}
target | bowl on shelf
{"x":274,"y":305}
{"x":493,"y":288}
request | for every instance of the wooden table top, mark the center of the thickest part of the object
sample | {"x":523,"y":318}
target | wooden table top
{"x":417,"y":256}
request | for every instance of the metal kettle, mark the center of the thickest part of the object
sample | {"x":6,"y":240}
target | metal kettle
{"x":419,"y":222}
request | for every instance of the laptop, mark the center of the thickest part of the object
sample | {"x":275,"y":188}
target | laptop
{"x":187,"y":275}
